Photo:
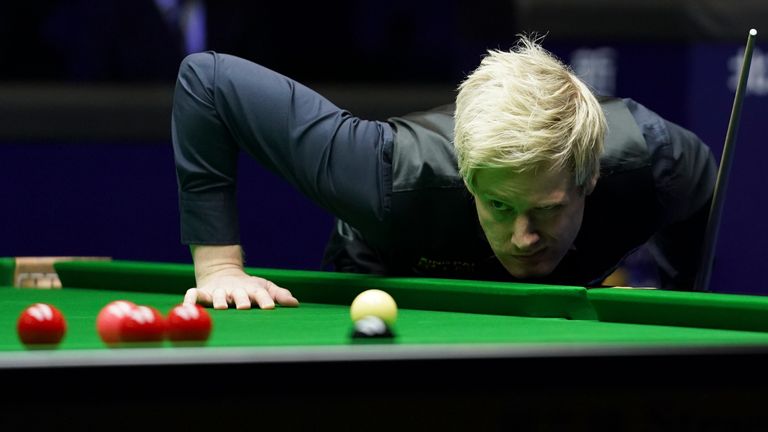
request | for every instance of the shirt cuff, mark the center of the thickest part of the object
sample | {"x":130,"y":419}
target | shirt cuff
{"x":209,"y":218}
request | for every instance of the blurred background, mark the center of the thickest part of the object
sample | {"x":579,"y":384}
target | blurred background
{"x":86,"y":166}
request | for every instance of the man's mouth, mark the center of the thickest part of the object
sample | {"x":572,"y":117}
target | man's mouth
{"x":528,"y":255}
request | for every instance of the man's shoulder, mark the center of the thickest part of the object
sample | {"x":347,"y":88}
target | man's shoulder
{"x":423,"y":155}
{"x":625,"y":147}
{"x":438,"y":116}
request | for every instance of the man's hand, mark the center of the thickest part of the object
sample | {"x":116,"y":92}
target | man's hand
{"x":239,"y":290}
{"x":222,"y":282}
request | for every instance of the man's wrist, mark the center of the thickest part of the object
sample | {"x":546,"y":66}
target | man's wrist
{"x":212,"y":260}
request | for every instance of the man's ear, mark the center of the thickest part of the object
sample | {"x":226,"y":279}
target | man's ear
{"x":590,"y":186}
{"x":468,"y":186}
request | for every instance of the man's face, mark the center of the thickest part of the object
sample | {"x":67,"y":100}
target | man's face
{"x":530,"y":219}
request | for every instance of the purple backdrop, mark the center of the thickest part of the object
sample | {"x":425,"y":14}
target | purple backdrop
{"x":120,"y":200}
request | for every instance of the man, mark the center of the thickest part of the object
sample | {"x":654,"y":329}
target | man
{"x":543,"y":182}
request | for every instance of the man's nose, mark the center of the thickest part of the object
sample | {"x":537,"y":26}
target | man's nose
{"x":524,"y":236}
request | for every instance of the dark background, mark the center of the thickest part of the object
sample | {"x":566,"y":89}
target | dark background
{"x":86,"y":166}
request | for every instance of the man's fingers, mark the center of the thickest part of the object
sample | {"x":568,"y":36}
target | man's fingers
{"x":281,"y":295}
{"x":263,"y":299}
{"x":220,"y":300}
{"x":242,"y":293}
{"x":286,"y":299}
{"x":194,"y":296}
{"x":241,"y":298}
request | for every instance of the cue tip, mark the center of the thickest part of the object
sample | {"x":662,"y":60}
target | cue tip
{"x":753,"y":32}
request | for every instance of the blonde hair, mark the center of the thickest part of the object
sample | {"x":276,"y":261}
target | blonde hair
{"x":525,"y":110}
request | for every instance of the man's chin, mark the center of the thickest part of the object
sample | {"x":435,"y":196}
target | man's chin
{"x":528,"y":272}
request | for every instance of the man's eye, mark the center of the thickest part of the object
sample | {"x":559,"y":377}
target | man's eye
{"x":498,"y":205}
{"x":548,"y":209}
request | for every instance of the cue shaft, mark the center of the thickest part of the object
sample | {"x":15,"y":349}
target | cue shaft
{"x":723,"y":173}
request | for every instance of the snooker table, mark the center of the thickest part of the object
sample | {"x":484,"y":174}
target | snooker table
{"x":467,"y":355}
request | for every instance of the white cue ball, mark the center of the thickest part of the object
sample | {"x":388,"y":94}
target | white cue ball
{"x":374,"y":302}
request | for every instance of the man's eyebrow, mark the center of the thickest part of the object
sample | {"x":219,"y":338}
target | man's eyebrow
{"x":553,"y":203}
{"x":549,"y":206}
{"x":495,"y":196}
{"x":557,"y":202}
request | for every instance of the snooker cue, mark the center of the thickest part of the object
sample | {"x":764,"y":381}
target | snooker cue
{"x":716,"y":210}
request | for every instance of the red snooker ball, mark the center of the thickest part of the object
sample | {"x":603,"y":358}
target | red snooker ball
{"x":189,"y":323}
{"x":110,"y":319}
{"x":143,"y":324}
{"x":41,"y":324}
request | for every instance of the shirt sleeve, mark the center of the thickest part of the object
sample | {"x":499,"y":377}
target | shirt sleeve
{"x":684,"y":172}
{"x":224,"y":105}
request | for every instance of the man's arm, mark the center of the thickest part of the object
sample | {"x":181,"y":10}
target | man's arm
{"x":677,"y":250}
{"x":684,"y":172}
{"x":224,"y":105}
{"x":222,"y":281}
